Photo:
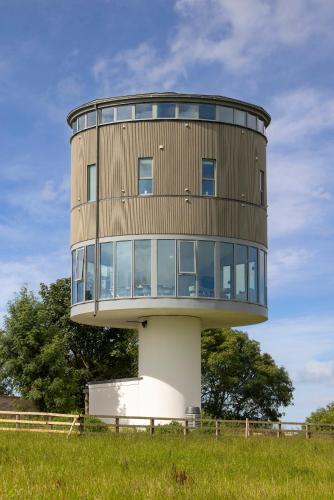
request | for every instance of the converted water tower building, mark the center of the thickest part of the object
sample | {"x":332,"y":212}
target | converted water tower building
{"x":168,"y":234}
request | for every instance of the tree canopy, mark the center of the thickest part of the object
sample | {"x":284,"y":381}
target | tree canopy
{"x":46,"y":357}
{"x":323,"y":415}
{"x":239,"y":381}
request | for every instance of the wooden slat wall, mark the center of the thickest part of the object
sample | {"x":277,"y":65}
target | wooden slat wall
{"x":176,"y":167}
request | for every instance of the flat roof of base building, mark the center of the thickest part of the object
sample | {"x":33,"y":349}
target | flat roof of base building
{"x":170,"y":97}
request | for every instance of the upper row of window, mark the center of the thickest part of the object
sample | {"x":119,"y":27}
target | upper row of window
{"x":169,"y":110}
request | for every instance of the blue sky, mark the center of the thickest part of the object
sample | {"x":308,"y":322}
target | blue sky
{"x":278,"y":54}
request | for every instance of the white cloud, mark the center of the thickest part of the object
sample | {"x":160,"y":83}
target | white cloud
{"x":53,"y":192}
{"x":287,"y":266}
{"x":317,"y":371}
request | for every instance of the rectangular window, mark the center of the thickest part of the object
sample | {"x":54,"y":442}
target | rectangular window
{"x":91,"y":119}
{"x":74,"y":126}
{"x":187,"y":269}
{"x":207,"y":111}
{"x":226,"y":271}
{"x":142,"y":271}
{"x":260,"y":125}
{"x":90,"y":273}
{"x":145,"y":176}
{"x":240,"y":272}
{"x":208,"y":177}
{"x":224,"y":114}
{"x":262,"y":285}
{"x":124,"y":112}
{"x":143,"y":111}
{"x":240,"y":117}
{"x":91,"y":183}
{"x":106,"y":271}
{"x":262,"y":188}
{"x":166,"y":267}
{"x":79,"y":273}
{"x":74,"y":284}
{"x":187,"y":110}
{"x":206,"y":268}
{"x":107,"y":115}
{"x":123,"y":268}
{"x":81,"y":122}
{"x":252,"y":275}
{"x":166,"y":110}
{"x":251,"y":121}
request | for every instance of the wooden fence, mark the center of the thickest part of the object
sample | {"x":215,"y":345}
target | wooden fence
{"x":80,"y":424}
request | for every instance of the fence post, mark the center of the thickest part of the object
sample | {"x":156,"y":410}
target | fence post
{"x":279,"y":432}
{"x":117,"y":425}
{"x":151,"y":426}
{"x":17,"y":418}
{"x":247,"y":428}
{"x":307,"y":431}
{"x":186,"y":427}
{"x":81,"y":424}
{"x":217,"y":428}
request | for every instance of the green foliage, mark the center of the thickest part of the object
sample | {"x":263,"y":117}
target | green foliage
{"x":238,"y":381}
{"x":171,"y":428}
{"x":323,"y":415}
{"x":94,"y":424}
{"x":49,"y":359}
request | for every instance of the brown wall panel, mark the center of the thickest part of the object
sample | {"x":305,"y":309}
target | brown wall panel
{"x":83,"y":154}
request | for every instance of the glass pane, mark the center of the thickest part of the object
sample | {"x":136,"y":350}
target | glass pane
{"x":188,"y":110}
{"x":226,"y":271}
{"x":91,"y":183}
{"x":166,"y":110}
{"x":166,"y":267}
{"x":80,"y":252}
{"x":124,"y":268}
{"x":252,"y":274}
{"x":91,"y":119}
{"x":106,"y":271}
{"x":187,"y":257}
{"x":80,"y":291}
{"x":74,"y":126}
{"x":224,"y":114}
{"x":81,"y":122}
{"x":187,"y":285}
{"x":207,"y":111}
{"x":251,"y":121}
{"x":143,"y":110}
{"x":107,"y":115}
{"x":142,"y":281}
{"x":74,"y":286}
{"x":90,"y":272}
{"x":145,"y":168}
{"x":145,"y":186}
{"x":208,"y":188}
{"x":240,"y":272}
{"x":240,"y":117}
{"x":124,"y":112}
{"x":206,"y":268}
{"x":260,"y":126}
{"x":208,"y":169}
{"x":261,"y":278}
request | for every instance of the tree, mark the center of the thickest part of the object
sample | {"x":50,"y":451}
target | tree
{"x":238,"y":381}
{"x":49,"y":359}
{"x":323,"y":415}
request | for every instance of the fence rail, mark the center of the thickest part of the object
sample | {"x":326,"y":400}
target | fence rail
{"x":79,"y":424}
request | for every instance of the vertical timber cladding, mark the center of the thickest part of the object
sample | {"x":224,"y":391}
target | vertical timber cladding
{"x":177,"y":149}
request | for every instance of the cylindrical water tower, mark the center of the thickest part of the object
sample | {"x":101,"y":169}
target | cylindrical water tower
{"x":168,"y":234}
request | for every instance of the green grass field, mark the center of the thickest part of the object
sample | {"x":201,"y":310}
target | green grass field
{"x":139,"y":466}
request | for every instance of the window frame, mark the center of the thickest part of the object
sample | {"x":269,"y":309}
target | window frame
{"x":214,"y":179}
{"x":145,"y":178}
{"x":262,"y":183}
{"x":89,"y":169}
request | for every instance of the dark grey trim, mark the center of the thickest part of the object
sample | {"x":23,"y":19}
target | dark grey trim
{"x":112,"y":380}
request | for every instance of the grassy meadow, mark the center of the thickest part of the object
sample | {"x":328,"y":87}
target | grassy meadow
{"x":138,"y":466}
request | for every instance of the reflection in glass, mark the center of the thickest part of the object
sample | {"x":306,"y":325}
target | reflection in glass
{"x":260,"y":125}
{"x":145,"y":181}
{"x":206,"y":268}
{"x":91,"y":183}
{"x":252,"y":274}
{"x":91,"y":119}
{"x":124,"y":112}
{"x":123,"y":268}
{"x":74,"y":126}
{"x":143,"y":110}
{"x":224,"y":114}
{"x":187,"y":285}
{"x":208,"y":178}
{"x":240,"y":272}
{"x":142,"y":272}
{"x":262,"y":298}
{"x":107,"y":115}
{"x":187,"y":110}
{"x":74,"y":284}
{"x":207,"y":112}
{"x":106,"y":271}
{"x":166,"y":110}
{"x":251,"y":121}
{"x":226,"y":271}
{"x":166,"y":267}
{"x":240,"y":117}
{"x":90,"y":272}
{"x":187,"y":257}
{"x":81,"y":122}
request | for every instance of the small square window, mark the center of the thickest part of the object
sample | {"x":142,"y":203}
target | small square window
{"x":124,"y":112}
{"x":91,"y":119}
{"x":143,"y":111}
{"x":166,"y":110}
{"x":240,"y":117}
{"x":107,"y":115}
{"x":251,"y":121}
{"x":224,"y":114}
{"x":187,"y":110}
{"x":207,"y":112}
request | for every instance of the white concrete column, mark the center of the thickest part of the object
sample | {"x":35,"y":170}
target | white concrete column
{"x":170,"y":364}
